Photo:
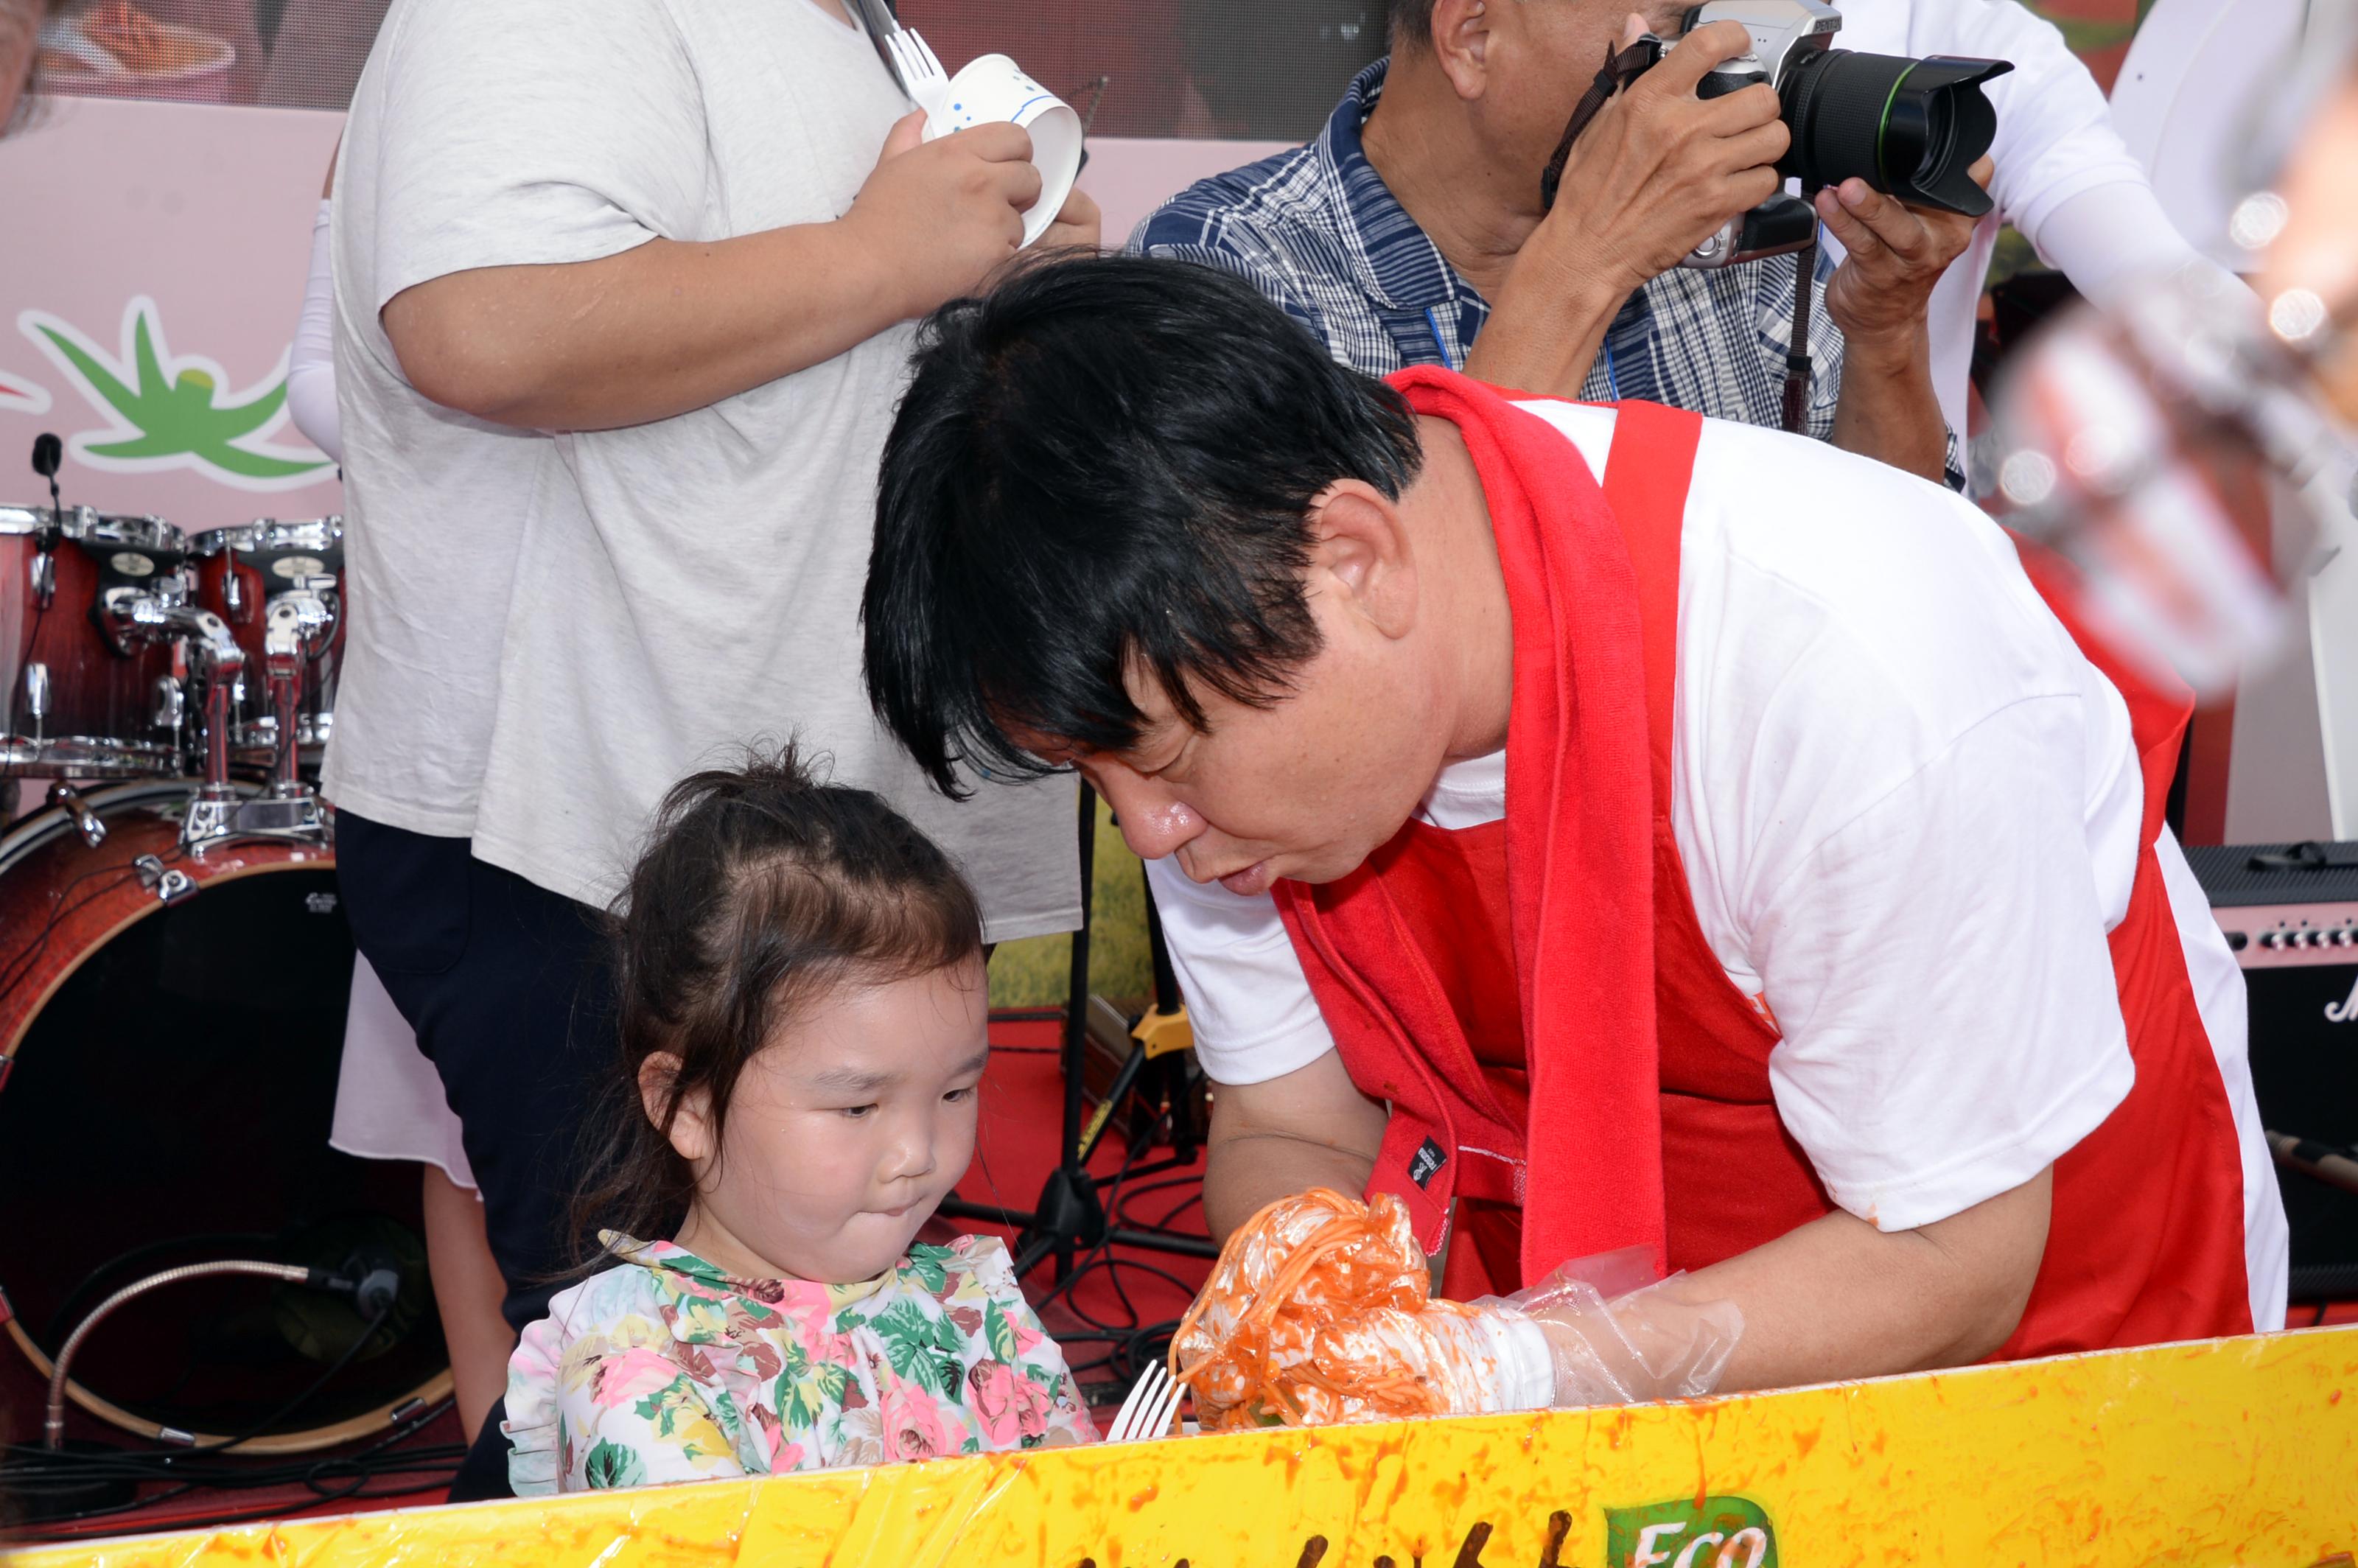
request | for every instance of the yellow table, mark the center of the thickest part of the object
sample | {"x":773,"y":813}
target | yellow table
{"x":2228,"y":1451}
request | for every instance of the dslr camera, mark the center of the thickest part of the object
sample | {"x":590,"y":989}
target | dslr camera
{"x":1910,"y":128}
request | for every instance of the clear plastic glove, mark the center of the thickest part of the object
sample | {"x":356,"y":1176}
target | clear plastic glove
{"x":1605,"y":1335}
{"x":1319,"y":1312}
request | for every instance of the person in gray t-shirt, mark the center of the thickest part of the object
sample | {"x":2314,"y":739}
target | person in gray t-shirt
{"x":622,"y":301}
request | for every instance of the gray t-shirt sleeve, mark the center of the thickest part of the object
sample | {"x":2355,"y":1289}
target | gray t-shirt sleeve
{"x":533,"y":132}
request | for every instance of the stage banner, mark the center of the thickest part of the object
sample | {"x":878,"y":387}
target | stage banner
{"x":148,"y":293}
{"x":154,"y":270}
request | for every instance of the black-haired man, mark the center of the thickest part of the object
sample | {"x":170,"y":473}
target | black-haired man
{"x":1410,"y":232}
{"x":1739,"y":861}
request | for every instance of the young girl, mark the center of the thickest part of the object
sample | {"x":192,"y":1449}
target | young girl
{"x":803,"y":1015}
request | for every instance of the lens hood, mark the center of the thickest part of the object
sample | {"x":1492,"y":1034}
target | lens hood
{"x":1908,"y":127}
{"x":1938,"y":122}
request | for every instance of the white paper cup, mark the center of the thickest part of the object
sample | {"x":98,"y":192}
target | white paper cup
{"x":992,"y":87}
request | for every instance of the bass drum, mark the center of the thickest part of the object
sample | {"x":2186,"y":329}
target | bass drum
{"x":169,"y":1034}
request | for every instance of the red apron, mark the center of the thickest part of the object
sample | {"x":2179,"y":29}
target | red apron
{"x":1655,"y":1123}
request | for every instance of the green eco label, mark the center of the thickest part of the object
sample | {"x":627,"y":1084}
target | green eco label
{"x":1709,"y":1532}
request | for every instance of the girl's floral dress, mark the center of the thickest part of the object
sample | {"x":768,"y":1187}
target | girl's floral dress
{"x":664,"y":1368}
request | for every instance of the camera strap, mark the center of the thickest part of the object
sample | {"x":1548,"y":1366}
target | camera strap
{"x":1796,"y":350}
{"x":1618,"y":71}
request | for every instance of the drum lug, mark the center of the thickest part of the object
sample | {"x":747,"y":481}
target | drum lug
{"x":43,"y":570}
{"x":37,"y":694}
{"x":86,"y":822}
{"x":171,"y":705}
{"x":168,"y":884}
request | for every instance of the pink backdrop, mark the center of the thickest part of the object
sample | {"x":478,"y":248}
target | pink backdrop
{"x":198,"y":219}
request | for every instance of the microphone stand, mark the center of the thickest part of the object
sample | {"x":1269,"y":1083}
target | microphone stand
{"x":1069,"y":1219}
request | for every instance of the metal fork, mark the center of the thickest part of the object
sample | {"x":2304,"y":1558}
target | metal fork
{"x":921,"y":76}
{"x":1147,"y":1412}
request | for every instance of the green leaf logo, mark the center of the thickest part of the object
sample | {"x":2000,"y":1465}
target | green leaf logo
{"x":1689,"y":1532}
{"x":168,"y":412}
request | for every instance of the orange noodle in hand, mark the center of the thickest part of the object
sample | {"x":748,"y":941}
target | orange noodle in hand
{"x":1320,"y":1311}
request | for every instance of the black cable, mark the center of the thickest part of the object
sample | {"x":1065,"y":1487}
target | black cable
{"x":58,"y":1466}
{"x":19,"y":964}
{"x":1097,"y":1254}
{"x":246,"y":1475}
{"x":1192,"y":1181}
{"x":298,"y":1401}
{"x":436,"y":1463}
{"x":1192,"y":1200}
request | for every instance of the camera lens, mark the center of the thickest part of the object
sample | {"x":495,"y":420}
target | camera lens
{"x":1911,"y":127}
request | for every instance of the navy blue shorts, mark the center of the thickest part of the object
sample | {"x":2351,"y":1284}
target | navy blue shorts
{"x":508,"y":986}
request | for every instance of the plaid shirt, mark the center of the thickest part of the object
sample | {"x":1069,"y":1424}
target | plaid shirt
{"x":1318,"y":232}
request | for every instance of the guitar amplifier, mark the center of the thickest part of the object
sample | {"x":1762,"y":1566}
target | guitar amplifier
{"x":2290,"y":912}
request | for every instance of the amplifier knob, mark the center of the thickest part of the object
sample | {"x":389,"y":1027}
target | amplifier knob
{"x":2273,"y":940}
{"x":2302,"y":939}
{"x":2345,"y":938}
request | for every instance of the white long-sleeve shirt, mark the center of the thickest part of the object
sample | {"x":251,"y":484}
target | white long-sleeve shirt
{"x":2063,"y":175}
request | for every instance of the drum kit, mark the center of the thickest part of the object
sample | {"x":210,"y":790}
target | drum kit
{"x":175,"y":972}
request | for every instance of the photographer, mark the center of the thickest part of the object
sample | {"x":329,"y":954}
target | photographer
{"x":1416,"y":216}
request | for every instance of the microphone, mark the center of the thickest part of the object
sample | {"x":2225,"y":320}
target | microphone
{"x":48,"y":452}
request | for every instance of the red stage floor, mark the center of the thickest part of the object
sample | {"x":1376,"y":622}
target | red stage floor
{"x":1094,"y":1318}
{"x":1120,"y":1291}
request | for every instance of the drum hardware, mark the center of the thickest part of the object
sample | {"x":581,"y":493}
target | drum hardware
{"x":168,"y":884}
{"x":171,"y":705}
{"x":36,"y":695}
{"x":374,"y":1283}
{"x":214,"y":819}
{"x":244,"y":572}
{"x":298,"y":625}
{"x":210,"y":1039}
{"x":87,"y":823}
{"x":47,"y":453}
{"x":133,"y":618}
{"x":79,"y":686}
{"x":290,"y":811}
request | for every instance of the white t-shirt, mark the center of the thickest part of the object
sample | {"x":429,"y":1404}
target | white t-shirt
{"x":1908,"y":809}
{"x":688,"y":585}
{"x":433,"y":521}
{"x":2055,"y":142}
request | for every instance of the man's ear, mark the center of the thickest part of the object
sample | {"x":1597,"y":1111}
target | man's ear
{"x":691,"y":1120}
{"x":1359,"y":544}
{"x":1460,"y":42}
